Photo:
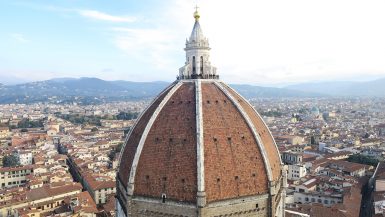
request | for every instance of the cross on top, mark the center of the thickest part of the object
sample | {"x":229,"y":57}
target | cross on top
{"x":196,"y":8}
{"x":196,"y":13}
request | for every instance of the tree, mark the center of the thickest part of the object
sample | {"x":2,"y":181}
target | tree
{"x":126,"y":131}
{"x":11,"y":161}
{"x":111,"y":155}
{"x":127,"y":115}
{"x":26,"y":123}
{"x":81,"y":119}
{"x":272,"y":114}
{"x":302,"y":111}
{"x":362,"y":159}
{"x":115,"y":150}
{"x":312,"y":140}
{"x":119,"y":147}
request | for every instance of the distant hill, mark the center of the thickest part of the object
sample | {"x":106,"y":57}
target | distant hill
{"x":250,"y":91}
{"x":374,"y":88}
{"x":94,"y":90}
{"x":87,"y":90}
{"x":143,"y":88}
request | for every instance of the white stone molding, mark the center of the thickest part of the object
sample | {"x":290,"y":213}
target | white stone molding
{"x":201,"y":195}
{"x":131,"y":181}
{"x":264,"y":123}
{"x":234,"y":201}
{"x":253,"y":130}
{"x":137,"y":120}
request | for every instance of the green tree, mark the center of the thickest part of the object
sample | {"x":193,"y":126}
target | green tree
{"x":362,"y":159}
{"x":81,"y":119}
{"x":115,"y":150}
{"x":302,"y":111}
{"x":119,"y":147}
{"x":312,"y":140}
{"x":126,"y":131}
{"x":127,"y":115}
{"x":26,"y":123}
{"x":11,"y":161}
{"x":272,"y":114}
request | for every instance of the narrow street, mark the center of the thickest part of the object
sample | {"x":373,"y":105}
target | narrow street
{"x":366,"y":206}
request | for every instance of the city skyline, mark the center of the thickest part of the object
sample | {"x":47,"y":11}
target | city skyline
{"x":262,"y":43}
{"x":201,"y":146}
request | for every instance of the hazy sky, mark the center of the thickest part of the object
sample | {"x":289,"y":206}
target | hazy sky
{"x":253,"y":41}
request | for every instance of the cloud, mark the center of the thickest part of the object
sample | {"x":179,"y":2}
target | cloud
{"x":87,"y":13}
{"x":19,"y":37}
{"x":108,"y":70}
{"x":154,"y":46}
{"x":252,"y":41}
{"x":97,"y":15}
{"x":287,"y":41}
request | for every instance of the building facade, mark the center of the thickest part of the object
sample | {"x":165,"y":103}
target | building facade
{"x":4,"y":132}
{"x":290,"y":157}
{"x":44,"y":199}
{"x":14,"y":176}
{"x":100,"y":189}
{"x":296,"y":171}
{"x":25,"y":157}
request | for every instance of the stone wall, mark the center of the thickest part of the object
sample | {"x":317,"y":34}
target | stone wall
{"x":256,"y":206}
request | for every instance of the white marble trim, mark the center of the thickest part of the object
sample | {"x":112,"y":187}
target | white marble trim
{"x":136,"y":122}
{"x":201,"y":197}
{"x":276,"y":147}
{"x":253,"y":130}
{"x":131,"y":181}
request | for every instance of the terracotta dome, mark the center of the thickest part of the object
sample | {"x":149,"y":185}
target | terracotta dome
{"x":200,"y":149}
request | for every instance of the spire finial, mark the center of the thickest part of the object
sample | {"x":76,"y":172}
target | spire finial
{"x":197,"y":65}
{"x":196,"y":13}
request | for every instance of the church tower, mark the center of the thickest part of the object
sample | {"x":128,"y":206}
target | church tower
{"x":197,"y":55}
{"x":200,"y":150}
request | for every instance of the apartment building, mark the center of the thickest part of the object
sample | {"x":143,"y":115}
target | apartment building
{"x":14,"y":176}
{"x":296,"y":171}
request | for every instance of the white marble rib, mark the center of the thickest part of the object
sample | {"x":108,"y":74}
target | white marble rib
{"x":252,"y":127}
{"x":131,"y":181}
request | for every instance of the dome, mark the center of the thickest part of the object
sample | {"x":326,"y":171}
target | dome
{"x":315,"y":110}
{"x":200,"y":149}
{"x":199,"y":132}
